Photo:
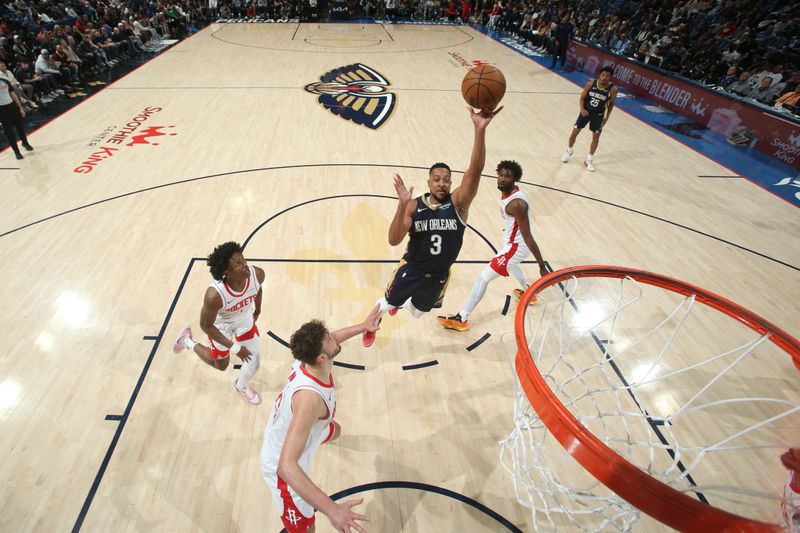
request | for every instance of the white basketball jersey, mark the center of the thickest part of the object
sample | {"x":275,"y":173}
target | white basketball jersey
{"x":275,"y":432}
{"x":236,"y":308}
{"x":511,"y":234}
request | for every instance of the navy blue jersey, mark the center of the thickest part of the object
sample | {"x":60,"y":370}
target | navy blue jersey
{"x":595,"y":102}
{"x":436,"y":233}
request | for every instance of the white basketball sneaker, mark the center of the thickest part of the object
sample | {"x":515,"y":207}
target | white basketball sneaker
{"x":248,"y":394}
{"x":179,"y":345}
{"x":589,"y":164}
{"x":567,"y":155}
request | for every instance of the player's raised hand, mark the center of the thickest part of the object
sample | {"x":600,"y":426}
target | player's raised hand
{"x":543,"y":270}
{"x":244,"y":354}
{"x":344,"y":519}
{"x":371,"y":323}
{"x":482,"y":118}
{"x":403,"y":194}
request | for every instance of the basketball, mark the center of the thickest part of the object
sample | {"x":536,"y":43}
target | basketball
{"x":483,"y":87}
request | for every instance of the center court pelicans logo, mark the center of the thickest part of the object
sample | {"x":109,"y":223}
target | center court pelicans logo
{"x":356,"y":93}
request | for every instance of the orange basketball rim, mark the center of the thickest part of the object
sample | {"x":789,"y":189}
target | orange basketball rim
{"x":657,"y":499}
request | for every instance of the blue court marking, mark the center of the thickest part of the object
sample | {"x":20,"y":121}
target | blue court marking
{"x":506,"y":305}
{"x":283,"y":167}
{"x":114,"y":417}
{"x":349,"y":365}
{"x":768,"y":173}
{"x":500,"y":519}
{"x":421,"y":365}
{"x":123,"y":419}
{"x":274,"y":336}
{"x":337,"y":197}
{"x":479,"y":342}
{"x":457,"y":26}
{"x":237,"y":366}
{"x":652,"y":422}
{"x":150,"y":337}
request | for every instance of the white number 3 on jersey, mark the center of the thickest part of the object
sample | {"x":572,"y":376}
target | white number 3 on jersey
{"x":436,"y":244}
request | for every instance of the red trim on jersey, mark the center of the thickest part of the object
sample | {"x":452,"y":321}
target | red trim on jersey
{"x":253,"y":332}
{"x":246,"y":286}
{"x":318,"y":382}
{"x":513,"y":232}
{"x":331,"y":430}
{"x":504,"y":196}
{"x":499,"y":263}
{"x":293,"y":520}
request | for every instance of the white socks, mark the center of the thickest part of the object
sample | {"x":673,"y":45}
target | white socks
{"x":249,"y":369}
{"x":478,"y":290}
{"x":189,"y":343}
{"x":416,"y":313}
{"x":519,"y":275}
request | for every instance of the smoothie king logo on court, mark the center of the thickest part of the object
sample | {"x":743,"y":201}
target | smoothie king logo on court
{"x":457,"y":60}
{"x":356,"y":93}
{"x":131,"y":134}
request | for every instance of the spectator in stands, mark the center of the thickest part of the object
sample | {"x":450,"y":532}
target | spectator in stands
{"x":45,"y":87}
{"x":24,"y":90}
{"x":731,"y":76}
{"x":61,"y":61}
{"x":742,"y":86}
{"x":46,"y":67}
{"x":764,"y":92}
{"x":563,"y":36}
{"x":774,"y":72}
{"x":88,"y":48}
{"x":21,"y":49}
{"x":790,"y":100}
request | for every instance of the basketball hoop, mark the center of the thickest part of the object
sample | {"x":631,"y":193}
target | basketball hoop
{"x":667,"y":403}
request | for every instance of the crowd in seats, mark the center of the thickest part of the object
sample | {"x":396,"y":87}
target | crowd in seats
{"x":750,"y":48}
{"x":285,"y":10}
{"x":51,"y":48}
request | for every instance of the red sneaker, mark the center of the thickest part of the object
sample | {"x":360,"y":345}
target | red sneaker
{"x":368,"y":337}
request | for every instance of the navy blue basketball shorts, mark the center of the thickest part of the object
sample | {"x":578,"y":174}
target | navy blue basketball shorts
{"x":595,"y":122}
{"x":426,"y":290}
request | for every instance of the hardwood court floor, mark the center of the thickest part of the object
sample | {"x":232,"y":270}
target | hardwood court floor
{"x":100,"y":271}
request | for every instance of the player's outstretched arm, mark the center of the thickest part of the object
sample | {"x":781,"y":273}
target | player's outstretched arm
{"x":401,"y":222}
{"x":349,"y":332}
{"x":519,"y":210}
{"x":464,"y":194}
{"x":307,"y":407}
{"x":212,"y":303}
{"x":257,"y":305}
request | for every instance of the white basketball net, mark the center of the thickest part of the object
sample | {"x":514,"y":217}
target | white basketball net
{"x":682,"y":391}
